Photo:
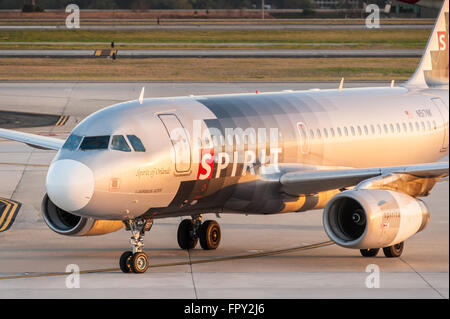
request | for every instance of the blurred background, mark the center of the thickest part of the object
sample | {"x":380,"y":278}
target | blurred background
{"x":206,"y":40}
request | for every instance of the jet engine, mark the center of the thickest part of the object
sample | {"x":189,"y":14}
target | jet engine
{"x":373,"y":218}
{"x":65,"y":223}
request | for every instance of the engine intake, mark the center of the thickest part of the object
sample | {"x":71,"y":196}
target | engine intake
{"x":65,"y":223}
{"x":374,"y":218}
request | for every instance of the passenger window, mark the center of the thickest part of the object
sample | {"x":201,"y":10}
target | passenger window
{"x":372,"y":129}
{"x":434,"y":124}
{"x":345,"y":130}
{"x":359,"y":130}
{"x":379,"y":129}
{"x":417,"y":126}
{"x":311,"y":133}
{"x":392,"y":127}
{"x":119,"y":143}
{"x":136,"y":143}
{"x":353,"y":130}
{"x":325,"y":132}
{"x":72,"y":142}
{"x":95,"y":143}
{"x":339,"y":131}
{"x":366,"y":130}
{"x":385,"y":128}
{"x":411,"y":128}
{"x":398,"y":128}
{"x":428,"y":126}
{"x":423,"y":125}
{"x":332,"y":132}
{"x":405,"y":129}
{"x":318,"y":133}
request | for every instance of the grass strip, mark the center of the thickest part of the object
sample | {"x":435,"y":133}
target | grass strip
{"x":207,"y":69}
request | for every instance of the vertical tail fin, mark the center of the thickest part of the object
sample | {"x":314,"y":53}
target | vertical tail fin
{"x":433,"y":67}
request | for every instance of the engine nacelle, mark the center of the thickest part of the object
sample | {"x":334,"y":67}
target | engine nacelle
{"x":373,"y":218}
{"x":65,"y":223}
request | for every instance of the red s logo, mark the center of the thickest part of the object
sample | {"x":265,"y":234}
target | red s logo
{"x":206,"y":165}
{"x":442,"y":40}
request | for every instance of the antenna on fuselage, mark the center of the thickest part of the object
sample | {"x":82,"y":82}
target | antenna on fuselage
{"x":341,"y":85}
{"x":141,"y":96}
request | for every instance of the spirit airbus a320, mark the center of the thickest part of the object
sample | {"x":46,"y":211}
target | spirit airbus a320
{"x":364,"y":155}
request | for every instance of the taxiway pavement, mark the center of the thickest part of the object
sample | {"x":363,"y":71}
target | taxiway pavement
{"x":30,"y":247}
{"x":215,"y":53}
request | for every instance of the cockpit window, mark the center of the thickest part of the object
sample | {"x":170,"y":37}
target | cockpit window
{"x":95,"y":143}
{"x":72,"y":142}
{"x":136,"y":143}
{"x":119,"y":143}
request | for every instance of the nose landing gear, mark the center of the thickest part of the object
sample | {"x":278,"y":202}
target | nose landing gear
{"x":190,"y":231}
{"x":136,"y":261}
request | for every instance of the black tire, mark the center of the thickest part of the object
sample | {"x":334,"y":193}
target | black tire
{"x":394,"y":251}
{"x":210,"y":235}
{"x":369,"y":252}
{"x":124,"y":261}
{"x":139,"y":263}
{"x":185,"y":237}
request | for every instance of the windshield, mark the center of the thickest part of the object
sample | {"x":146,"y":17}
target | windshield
{"x":136,"y":143}
{"x":119,"y":143}
{"x":72,"y":142}
{"x":95,"y":143}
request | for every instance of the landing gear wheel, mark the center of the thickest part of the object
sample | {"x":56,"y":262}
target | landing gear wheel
{"x":139,"y":263}
{"x":185,"y":235}
{"x":209,"y":235}
{"x":394,"y":251}
{"x":136,"y":261}
{"x":369,"y":252}
{"x":124,"y":262}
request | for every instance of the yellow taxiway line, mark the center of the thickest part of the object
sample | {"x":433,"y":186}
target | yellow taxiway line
{"x":201,"y":261}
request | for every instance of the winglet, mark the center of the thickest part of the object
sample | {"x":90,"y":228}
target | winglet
{"x":141,"y":96}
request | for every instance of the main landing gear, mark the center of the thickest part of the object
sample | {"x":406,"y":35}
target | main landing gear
{"x":390,"y":252}
{"x":191,"y":231}
{"x":136,"y":261}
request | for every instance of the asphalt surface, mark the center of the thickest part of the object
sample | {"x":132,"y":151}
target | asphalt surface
{"x":30,"y":248}
{"x":214,"y":53}
{"x":219,"y":44}
{"x":220,"y":27}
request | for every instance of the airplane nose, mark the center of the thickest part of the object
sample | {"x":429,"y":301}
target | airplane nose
{"x":70,"y":184}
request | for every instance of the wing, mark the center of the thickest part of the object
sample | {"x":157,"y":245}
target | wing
{"x":38,"y":141}
{"x":311,"y":182}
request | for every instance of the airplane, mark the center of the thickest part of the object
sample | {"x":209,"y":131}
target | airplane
{"x":363,"y":155}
